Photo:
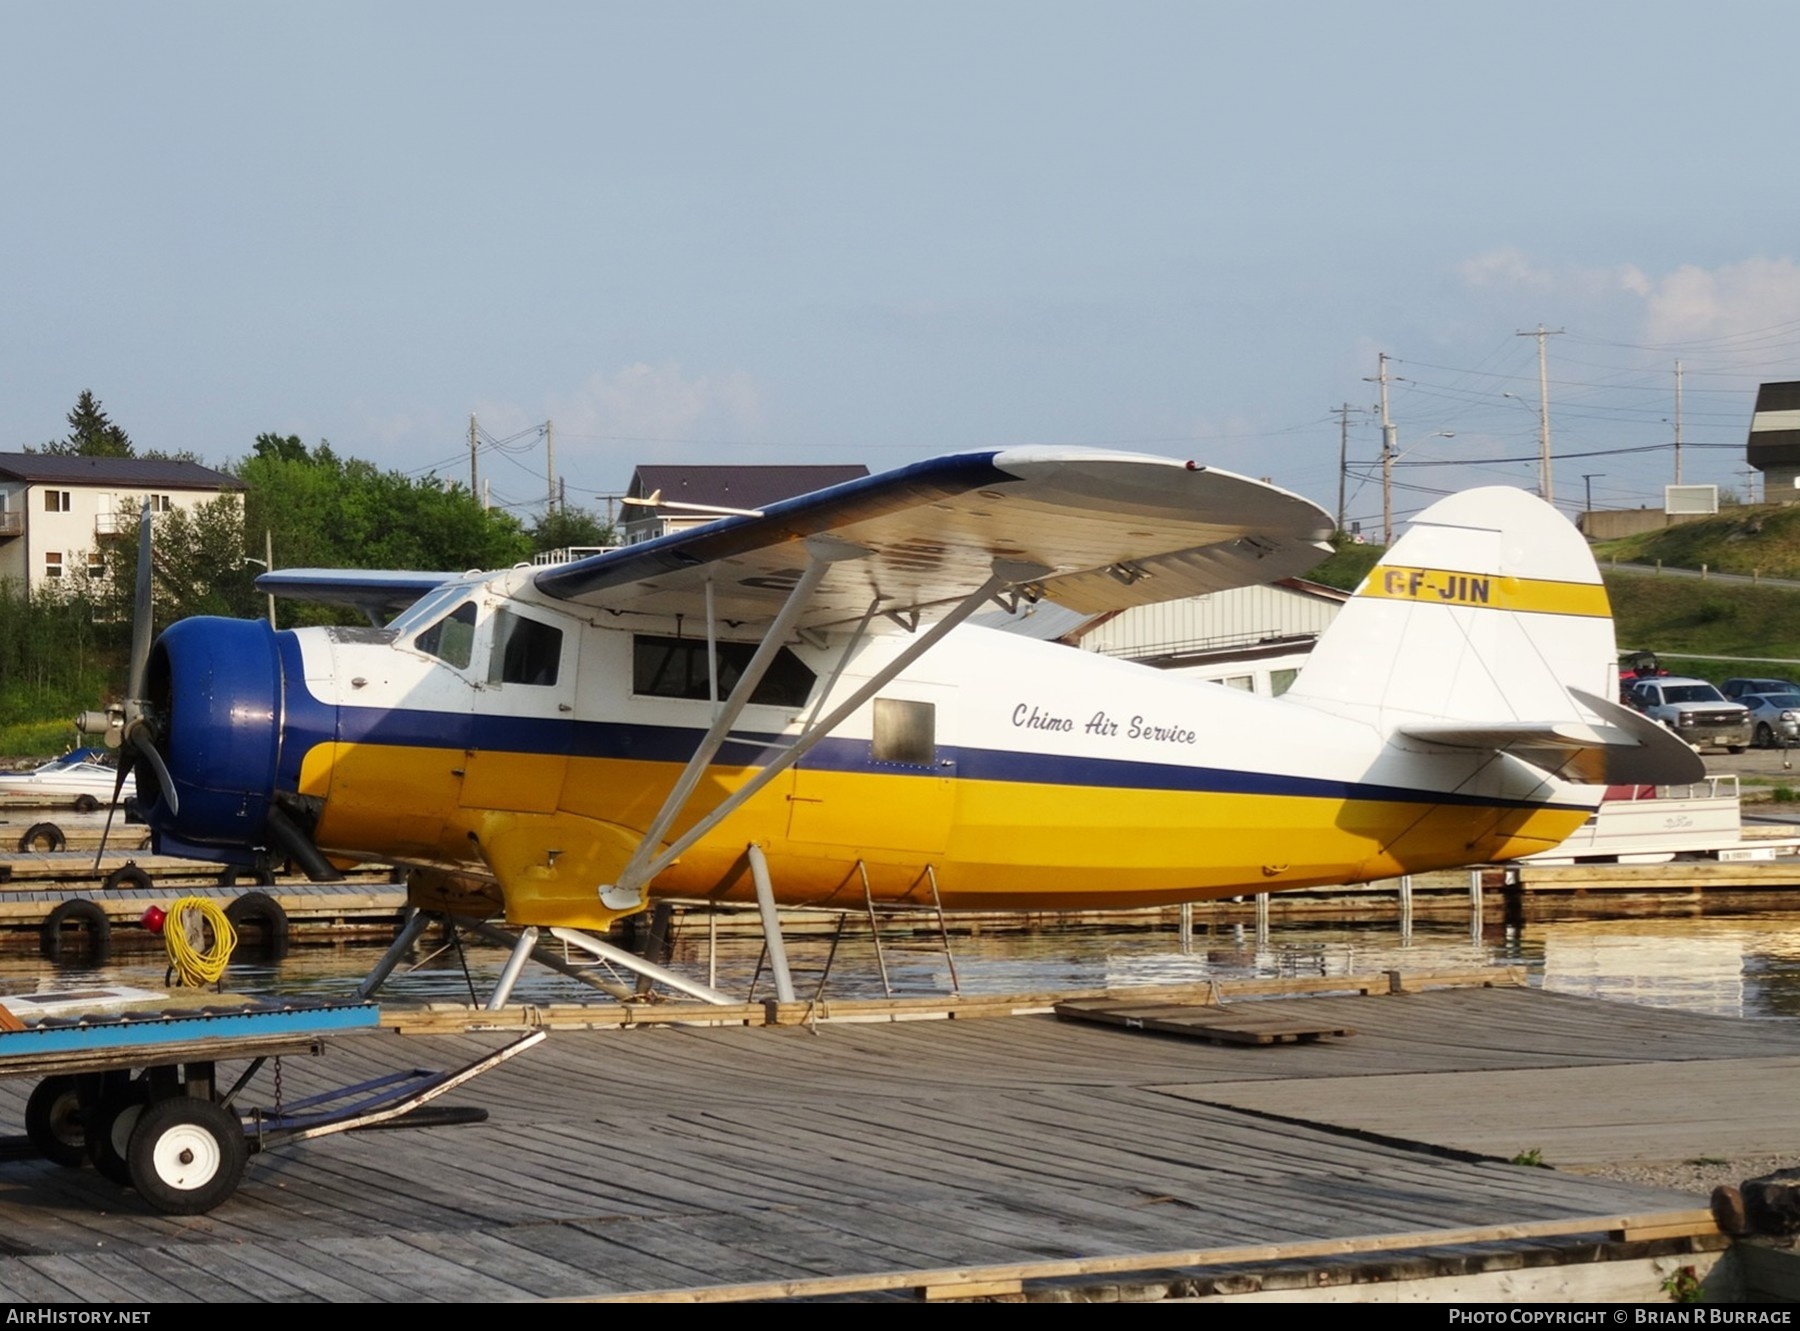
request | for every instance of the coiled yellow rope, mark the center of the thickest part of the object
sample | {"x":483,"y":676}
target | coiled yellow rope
{"x":184,"y":934}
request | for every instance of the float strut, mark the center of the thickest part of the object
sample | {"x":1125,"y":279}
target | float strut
{"x":415,"y":925}
{"x":521,"y":952}
{"x":771,"y":923}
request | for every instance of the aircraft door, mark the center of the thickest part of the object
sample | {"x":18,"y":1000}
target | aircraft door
{"x":524,"y":714}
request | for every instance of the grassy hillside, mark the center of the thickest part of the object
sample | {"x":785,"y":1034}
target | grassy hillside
{"x":1689,"y":624}
{"x":1759,"y":539}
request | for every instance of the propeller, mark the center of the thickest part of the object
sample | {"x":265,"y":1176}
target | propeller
{"x":127,"y":724}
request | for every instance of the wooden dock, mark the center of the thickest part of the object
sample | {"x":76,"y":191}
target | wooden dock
{"x":1015,"y":1157}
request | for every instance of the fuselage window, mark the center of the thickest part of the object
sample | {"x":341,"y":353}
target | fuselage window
{"x":905,"y":732}
{"x":525,"y":651}
{"x":452,"y":638}
{"x":676,"y":668}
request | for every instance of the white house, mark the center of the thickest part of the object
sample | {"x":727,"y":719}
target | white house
{"x":60,"y":513}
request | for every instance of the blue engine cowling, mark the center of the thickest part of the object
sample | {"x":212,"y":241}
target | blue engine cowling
{"x":217,"y":689}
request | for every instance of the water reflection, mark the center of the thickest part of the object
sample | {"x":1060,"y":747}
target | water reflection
{"x":1747,"y":966}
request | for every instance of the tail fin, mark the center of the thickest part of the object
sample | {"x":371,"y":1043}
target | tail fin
{"x":1487,"y":626}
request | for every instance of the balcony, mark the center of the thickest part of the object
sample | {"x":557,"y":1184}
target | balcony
{"x":11,"y":525}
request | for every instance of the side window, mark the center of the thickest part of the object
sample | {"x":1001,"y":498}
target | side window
{"x":525,"y":651}
{"x":905,"y":732}
{"x":676,"y":668}
{"x":452,"y":638}
{"x":1280,"y":681}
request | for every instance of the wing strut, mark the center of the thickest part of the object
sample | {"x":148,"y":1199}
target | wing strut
{"x":820,"y":555}
{"x":641,"y":868}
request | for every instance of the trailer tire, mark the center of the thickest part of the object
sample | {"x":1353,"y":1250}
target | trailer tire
{"x":128,"y":877}
{"x":88,"y":918}
{"x":187,"y":1155}
{"x":53,"y":1122}
{"x":86,"y":804}
{"x":110,"y":1127}
{"x":48,"y":833}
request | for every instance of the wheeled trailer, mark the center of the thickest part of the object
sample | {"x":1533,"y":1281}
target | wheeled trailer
{"x":138,"y":1093}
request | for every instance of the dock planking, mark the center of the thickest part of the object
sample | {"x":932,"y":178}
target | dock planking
{"x":1241,"y":1023}
{"x":619,"y":1162}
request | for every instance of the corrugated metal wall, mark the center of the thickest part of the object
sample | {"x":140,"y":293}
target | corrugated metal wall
{"x":1240,"y":616}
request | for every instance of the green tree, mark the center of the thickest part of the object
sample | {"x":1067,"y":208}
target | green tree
{"x":198,"y":561}
{"x":91,"y":433}
{"x":325,"y":511}
{"x":564,"y":527}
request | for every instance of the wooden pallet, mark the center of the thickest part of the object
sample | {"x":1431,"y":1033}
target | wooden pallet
{"x":1244,"y":1023}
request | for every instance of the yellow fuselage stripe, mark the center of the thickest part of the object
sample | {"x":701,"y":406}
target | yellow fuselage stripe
{"x":1436,"y":586}
{"x":570,"y":824}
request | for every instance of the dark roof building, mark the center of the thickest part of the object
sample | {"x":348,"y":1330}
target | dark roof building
{"x":113,"y":473}
{"x":59,"y":511}
{"x":718,"y":486}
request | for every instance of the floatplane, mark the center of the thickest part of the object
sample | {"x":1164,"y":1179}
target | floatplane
{"x":786,"y":707}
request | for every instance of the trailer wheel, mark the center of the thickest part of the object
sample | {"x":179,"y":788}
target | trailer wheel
{"x":53,"y":1122}
{"x":110,"y":1127}
{"x":187,"y":1155}
{"x":48,"y":833}
{"x":87,"y":919}
{"x":86,"y":804}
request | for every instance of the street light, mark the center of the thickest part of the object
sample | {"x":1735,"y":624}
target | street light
{"x":1388,"y":458}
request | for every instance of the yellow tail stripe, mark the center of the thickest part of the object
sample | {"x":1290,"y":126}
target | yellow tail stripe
{"x":1437,"y":586}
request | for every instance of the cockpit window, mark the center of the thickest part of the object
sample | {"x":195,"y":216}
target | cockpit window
{"x":452,"y":638}
{"x":525,"y":651}
{"x":426,"y":608}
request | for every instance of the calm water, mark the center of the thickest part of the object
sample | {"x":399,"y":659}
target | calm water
{"x":1748,"y":966}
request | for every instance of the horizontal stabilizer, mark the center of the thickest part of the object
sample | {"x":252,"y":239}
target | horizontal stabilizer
{"x":1623,"y":749}
{"x":374,"y":591}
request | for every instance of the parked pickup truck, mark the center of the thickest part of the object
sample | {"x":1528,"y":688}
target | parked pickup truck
{"x":1694,"y":710}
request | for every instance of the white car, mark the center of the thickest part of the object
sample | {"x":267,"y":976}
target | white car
{"x":82,"y":779}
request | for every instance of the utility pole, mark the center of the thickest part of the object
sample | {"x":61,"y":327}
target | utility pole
{"x":1546,"y":477}
{"x":550,"y":465}
{"x":1587,"y":478}
{"x":1343,"y":415}
{"x":1387,"y":454}
{"x":1678,"y":422}
{"x":474,"y":485}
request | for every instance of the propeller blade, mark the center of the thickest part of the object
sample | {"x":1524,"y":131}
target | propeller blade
{"x":139,"y":738}
{"x":112,"y":808}
{"x":142,"y":612}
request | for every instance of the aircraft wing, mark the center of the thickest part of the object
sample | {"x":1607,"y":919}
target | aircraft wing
{"x":1105,"y":531}
{"x":376,"y":592}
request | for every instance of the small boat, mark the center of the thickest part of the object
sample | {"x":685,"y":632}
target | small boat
{"x":82,"y":779}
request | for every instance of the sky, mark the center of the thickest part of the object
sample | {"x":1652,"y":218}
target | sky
{"x":875,"y":232}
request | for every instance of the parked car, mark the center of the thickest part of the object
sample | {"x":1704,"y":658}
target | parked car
{"x":82,"y":779}
{"x":1694,"y":710}
{"x":1775,"y":718}
{"x":1735,"y":689}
